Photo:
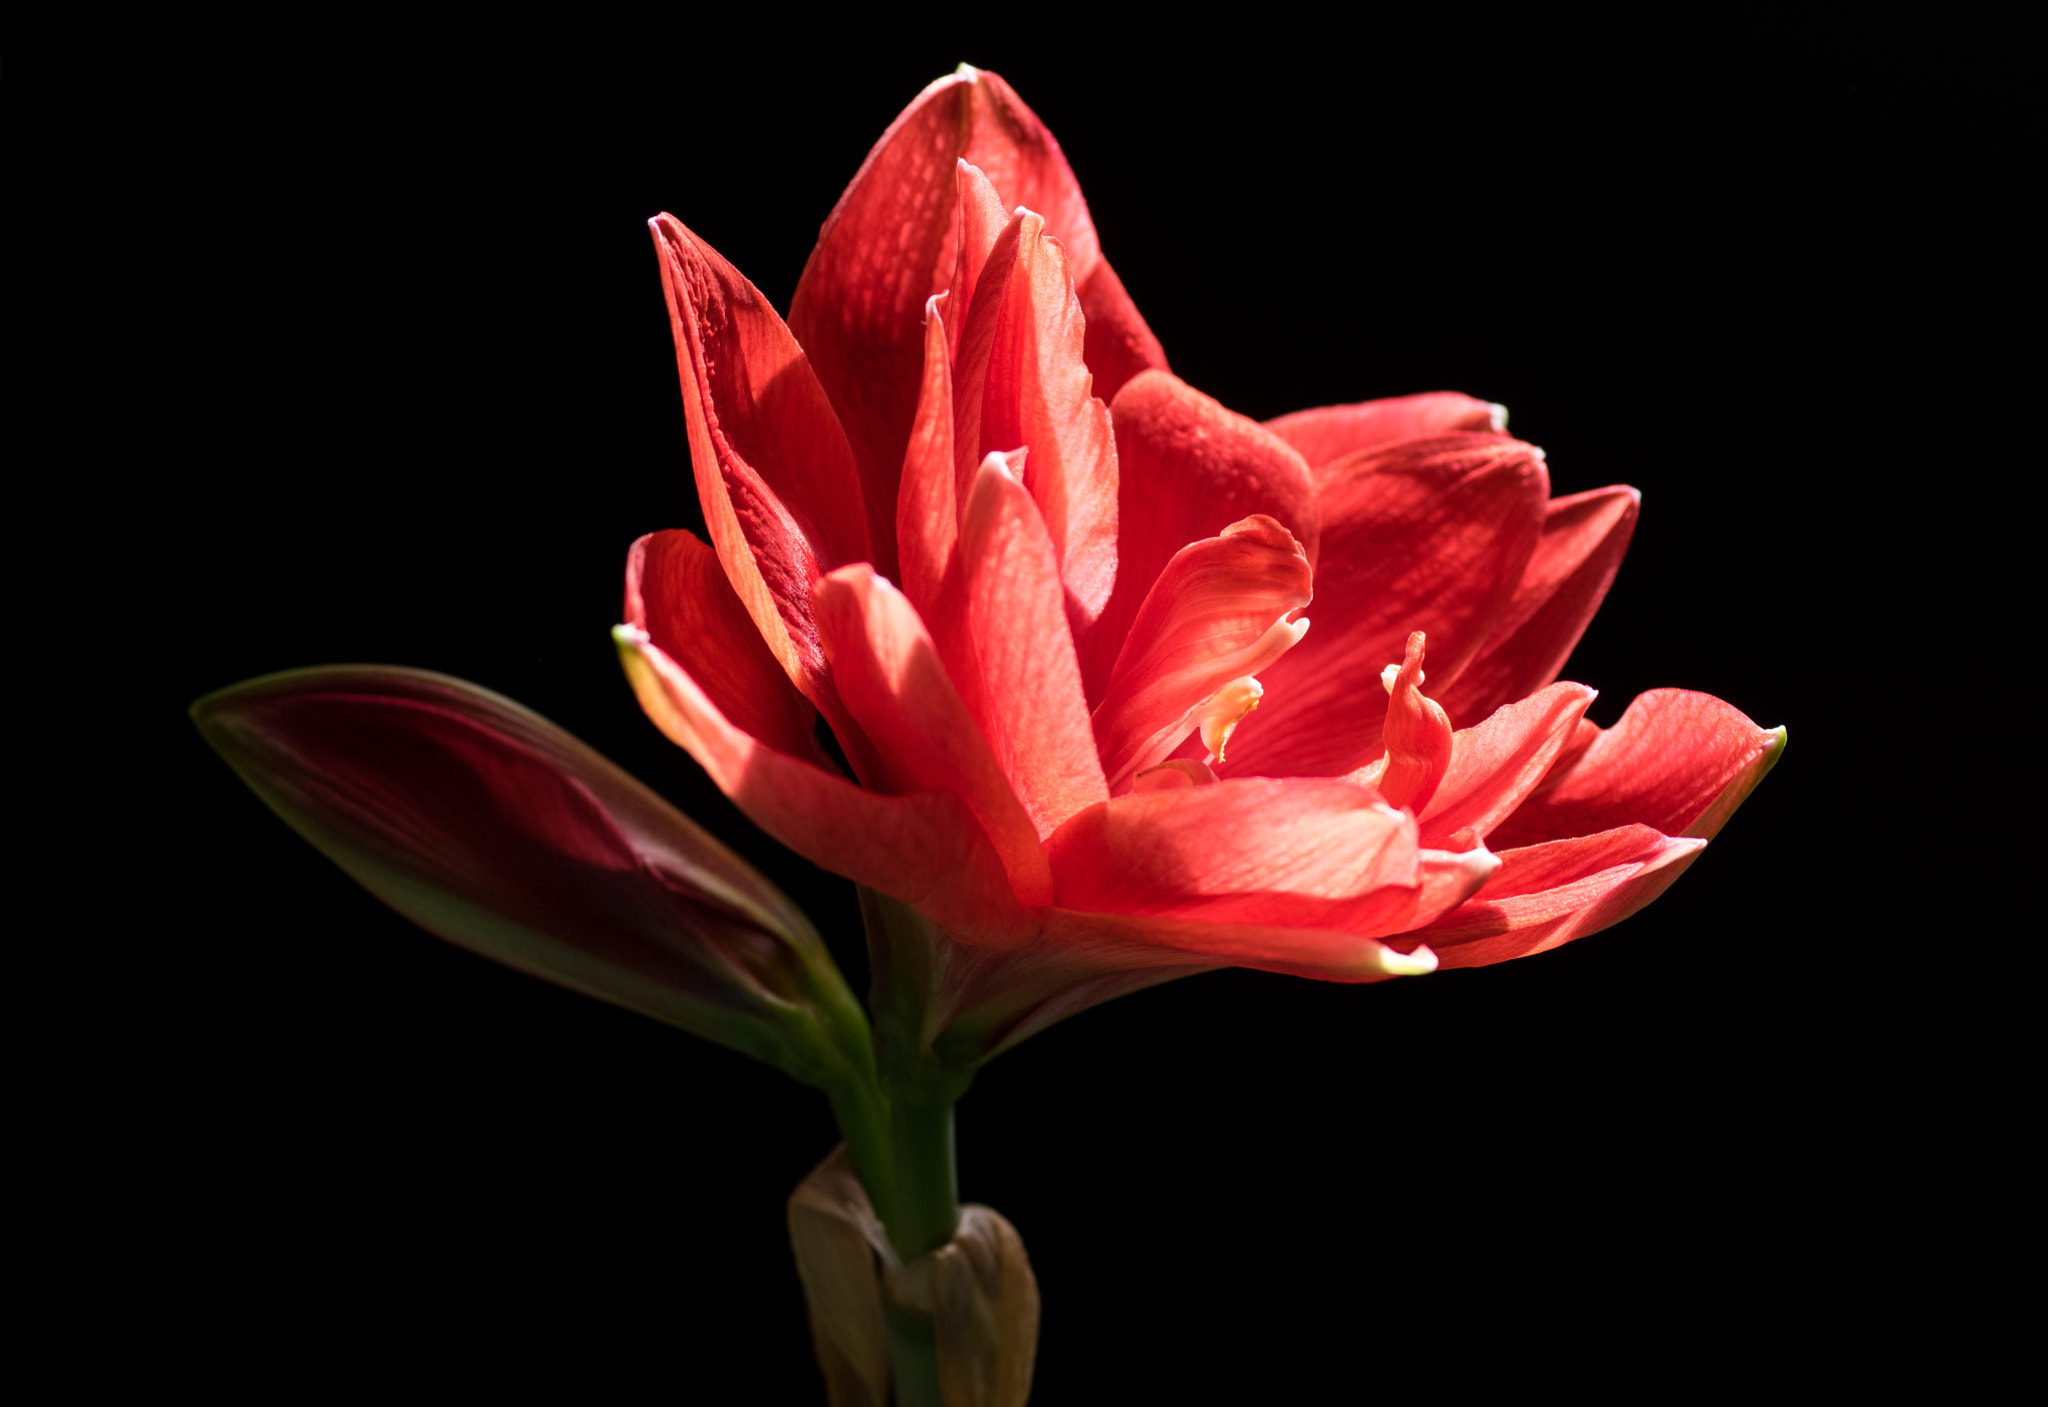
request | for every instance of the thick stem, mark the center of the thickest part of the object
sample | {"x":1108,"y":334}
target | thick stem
{"x":913,"y":1358}
{"x":927,"y":1178}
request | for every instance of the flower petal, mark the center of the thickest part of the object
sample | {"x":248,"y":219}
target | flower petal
{"x":1427,"y":535}
{"x":926,"y":849}
{"x":780,"y":493}
{"x":1495,"y":764}
{"x":1119,"y":344}
{"x":1547,"y":895}
{"x":489,"y":826}
{"x":983,"y":218}
{"x":1584,"y":538}
{"x":1186,"y":469}
{"x":1416,"y":734}
{"x":1020,"y":380}
{"x":1219,"y":612}
{"x":1678,"y":761}
{"x":677,"y":592}
{"x":1295,"y":853}
{"x":1028,"y":695}
{"x":891,"y":242}
{"x":927,"y":515}
{"x":1330,"y":432}
{"x":895,"y":685}
{"x":1328,"y":954}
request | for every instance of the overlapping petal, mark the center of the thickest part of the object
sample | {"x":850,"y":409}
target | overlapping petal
{"x":781,"y":495}
{"x":892,"y":240}
{"x":1677,"y":761}
{"x":1019,"y":381}
{"x":1329,"y":433}
{"x":1428,"y":535}
{"x":1187,"y":468}
{"x":1584,"y":539}
{"x":926,"y":848}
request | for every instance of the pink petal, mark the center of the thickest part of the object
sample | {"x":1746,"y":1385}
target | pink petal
{"x":1186,"y":469}
{"x":1019,"y":381}
{"x":1678,"y":762}
{"x":1331,"y":432}
{"x":926,"y":849}
{"x":1584,"y":538}
{"x":1495,"y":764}
{"x":983,"y":219}
{"x":677,"y":592}
{"x":1428,"y":535}
{"x":892,"y":241}
{"x":1547,"y":895}
{"x":1119,"y":344}
{"x":1218,"y":612}
{"x":489,"y":826}
{"x":927,"y":517}
{"x":1029,"y":700}
{"x":777,"y":481}
{"x":1298,"y":853}
{"x":1327,"y":954}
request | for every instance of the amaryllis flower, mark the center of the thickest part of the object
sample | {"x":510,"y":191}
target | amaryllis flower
{"x":1124,"y":684}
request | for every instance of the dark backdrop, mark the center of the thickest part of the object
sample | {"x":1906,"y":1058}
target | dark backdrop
{"x":378,"y":369}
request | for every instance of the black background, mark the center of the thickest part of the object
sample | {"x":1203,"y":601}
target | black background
{"x":371,"y":364}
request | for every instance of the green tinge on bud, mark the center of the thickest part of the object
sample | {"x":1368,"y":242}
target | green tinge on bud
{"x":491,"y":827}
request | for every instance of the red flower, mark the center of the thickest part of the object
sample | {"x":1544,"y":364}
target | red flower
{"x":1035,"y":584}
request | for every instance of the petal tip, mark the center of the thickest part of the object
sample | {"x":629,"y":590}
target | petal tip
{"x":1499,"y":413}
{"x":1415,"y":964}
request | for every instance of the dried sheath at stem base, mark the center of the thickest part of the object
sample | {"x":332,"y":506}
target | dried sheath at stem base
{"x":977,"y":1290}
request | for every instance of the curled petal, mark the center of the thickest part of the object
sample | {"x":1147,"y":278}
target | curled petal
{"x":1019,"y":380}
{"x":1547,"y":895}
{"x":1428,"y":535}
{"x":1302,"y":853}
{"x":1417,"y":736}
{"x":781,"y":496}
{"x":926,"y":849}
{"x":1027,"y":693}
{"x":1678,"y":761}
{"x":1217,"y":614}
{"x":489,"y":826}
{"x":1186,"y":469}
{"x":892,"y":242}
{"x":895,"y":685}
{"x":1330,"y":432}
{"x":677,"y":592}
{"x":1584,"y":539}
{"x":1496,"y":764}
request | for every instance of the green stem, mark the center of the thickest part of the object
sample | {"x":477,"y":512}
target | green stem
{"x":913,"y":1358}
{"x":927,"y":1177}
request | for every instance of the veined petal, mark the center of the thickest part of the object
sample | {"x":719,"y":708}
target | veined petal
{"x":1300,"y":852}
{"x":1119,"y":344}
{"x":1028,"y":698}
{"x":780,"y":493}
{"x":1546,"y":895}
{"x":927,"y":516}
{"x":1219,"y":612}
{"x":983,"y":218}
{"x":494,"y":829}
{"x":1584,"y":539}
{"x":1677,"y":761}
{"x":1019,"y":380}
{"x":1427,"y":535}
{"x":1330,"y":432}
{"x":892,"y":242}
{"x":1497,"y":763}
{"x":1186,"y":469}
{"x":895,"y":685}
{"x":677,"y":591}
{"x":926,"y":849}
